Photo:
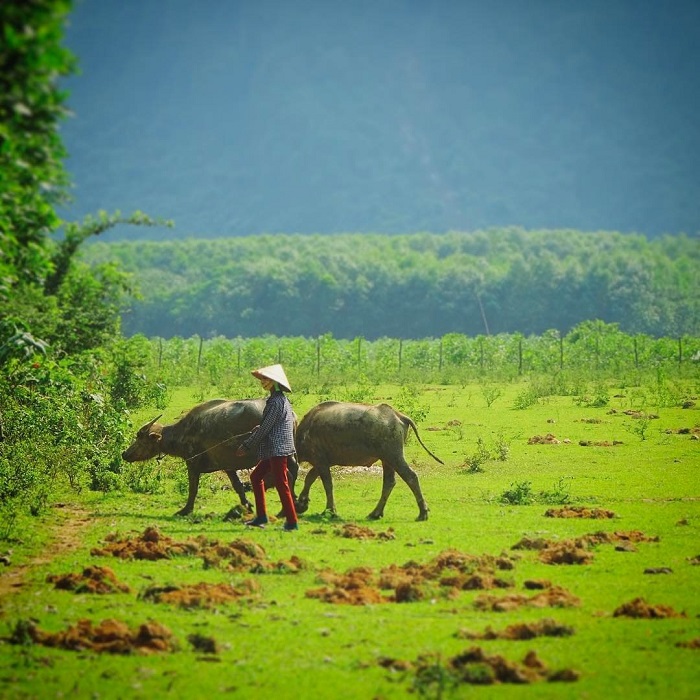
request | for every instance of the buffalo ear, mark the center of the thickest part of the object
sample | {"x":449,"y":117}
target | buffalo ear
{"x":155,"y":436}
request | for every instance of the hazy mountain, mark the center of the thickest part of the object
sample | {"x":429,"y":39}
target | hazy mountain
{"x":244,"y":116}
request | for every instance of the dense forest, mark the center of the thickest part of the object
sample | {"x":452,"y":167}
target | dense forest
{"x":318,"y":116}
{"x":409,"y":286}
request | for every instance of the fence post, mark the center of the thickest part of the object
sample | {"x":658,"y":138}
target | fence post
{"x":561,"y":351}
{"x":636,"y":355}
{"x":520,"y":355}
{"x":199,"y":354}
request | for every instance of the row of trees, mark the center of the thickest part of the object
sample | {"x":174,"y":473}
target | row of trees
{"x":592,"y":350}
{"x":410,"y":286}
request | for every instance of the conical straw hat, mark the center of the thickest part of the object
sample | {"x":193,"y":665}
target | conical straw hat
{"x":275,"y":373}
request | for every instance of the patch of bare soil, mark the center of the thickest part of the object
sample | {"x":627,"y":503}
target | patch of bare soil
{"x":66,"y":536}
{"x":547,"y":439}
{"x":93,"y":579}
{"x":634,"y":414}
{"x":150,"y":545}
{"x":238,"y":555}
{"x":600,"y":443}
{"x":580,"y":512}
{"x":553,"y":597}
{"x":639,"y":608}
{"x":689,"y":644}
{"x":201,"y":595}
{"x":359,"y":532}
{"x":109,"y":636}
{"x":521,"y":631}
{"x":447,"y":574}
{"x":475,"y":666}
{"x":578,"y":550}
{"x":695,"y":430}
{"x":203,"y":644}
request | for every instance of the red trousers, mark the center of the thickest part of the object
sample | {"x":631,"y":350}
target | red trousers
{"x":278,"y":466}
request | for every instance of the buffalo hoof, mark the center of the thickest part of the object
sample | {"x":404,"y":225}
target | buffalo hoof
{"x":301,"y":506}
{"x":375,"y":516}
{"x":422,"y":517}
{"x":183,"y":511}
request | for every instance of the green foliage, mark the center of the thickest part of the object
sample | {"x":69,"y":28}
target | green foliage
{"x":32,"y":176}
{"x":519,"y":494}
{"x":500,"y":281}
{"x":526,"y":398}
{"x":408,"y":401}
{"x":128,"y":383}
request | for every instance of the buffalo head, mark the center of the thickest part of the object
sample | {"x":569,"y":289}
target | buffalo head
{"x":147,"y":443}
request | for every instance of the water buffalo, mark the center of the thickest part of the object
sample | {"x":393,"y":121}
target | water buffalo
{"x":206,"y":437}
{"x":334,"y":433}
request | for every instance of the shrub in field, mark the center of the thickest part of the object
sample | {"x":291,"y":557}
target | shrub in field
{"x":407,"y":401}
{"x":526,"y":398}
{"x":129,"y":382}
{"x":59,"y":430}
{"x":519,"y":494}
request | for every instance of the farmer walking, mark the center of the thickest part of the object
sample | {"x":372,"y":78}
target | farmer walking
{"x":274,"y":441}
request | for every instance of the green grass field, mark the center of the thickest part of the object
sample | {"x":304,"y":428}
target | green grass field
{"x":492,"y":492}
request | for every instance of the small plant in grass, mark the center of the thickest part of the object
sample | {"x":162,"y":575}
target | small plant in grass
{"x":407,"y":402}
{"x":501,"y":448}
{"x":519,"y":494}
{"x":473,"y":463}
{"x":434,"y":680}
{"x":490,"y":394}
{"x":362,"y":392}
{"x":558,"y":496}
{"x":526,"y":398}
{"x":639,"y":427}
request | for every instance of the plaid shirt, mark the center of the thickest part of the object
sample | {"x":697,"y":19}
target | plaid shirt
{"x":274,"y":437}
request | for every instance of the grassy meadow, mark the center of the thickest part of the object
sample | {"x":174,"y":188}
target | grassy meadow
{"x":491,"y":494}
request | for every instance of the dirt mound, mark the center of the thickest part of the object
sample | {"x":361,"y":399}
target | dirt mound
{"x":93,"y":579}
{"x":446,"y":575}
{"x":547,"y":439}
{"x":639,"y":608}
{"x":359,"y":532}
{"x":355,"y":587}
{"x":238,"y":555}
{"x":683,"y":431}
{"x":475,"y":666}
{"x":600,"y":443}
{"x":553,"y":597}
{"x":577,"y":551}
{"x":202,"y":644}
{"x":522,"y":631}
{"x":109,"y":636}
{"x":580,"y":512}
{"x":151,"y":545}
{"x":201,"y":595}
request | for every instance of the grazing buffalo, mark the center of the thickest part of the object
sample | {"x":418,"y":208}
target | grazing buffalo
{"x":206,"y":437}
{"x":348,"y":434}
